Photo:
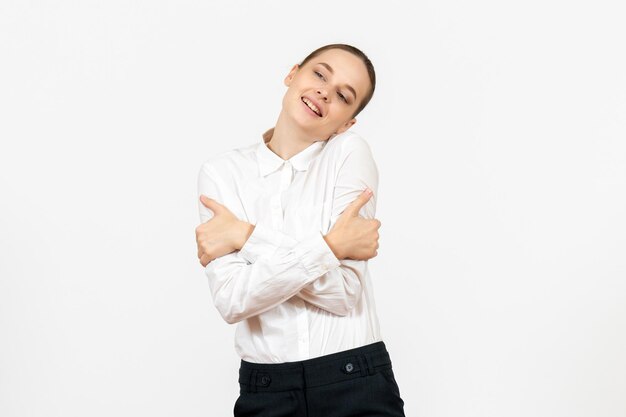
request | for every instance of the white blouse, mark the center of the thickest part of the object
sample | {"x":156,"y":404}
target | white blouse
{"x":291,"y":298}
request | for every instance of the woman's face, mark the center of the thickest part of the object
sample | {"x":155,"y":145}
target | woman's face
{"x":334,"y":82}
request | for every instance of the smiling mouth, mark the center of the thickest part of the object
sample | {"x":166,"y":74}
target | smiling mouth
{"x":311,"y":106}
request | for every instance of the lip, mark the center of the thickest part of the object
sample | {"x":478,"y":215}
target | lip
{"x":317,"y":104}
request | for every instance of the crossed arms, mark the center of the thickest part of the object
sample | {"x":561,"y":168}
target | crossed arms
{"x":253,"y":268}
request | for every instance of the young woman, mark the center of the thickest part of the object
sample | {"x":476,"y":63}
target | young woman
{"x":287,"y":228}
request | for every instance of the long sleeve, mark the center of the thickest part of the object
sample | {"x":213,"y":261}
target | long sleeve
{"x":241,"y":289}
{"x":338,"y":290}
{"x":210,"y":186}
{"x":272,"y":267}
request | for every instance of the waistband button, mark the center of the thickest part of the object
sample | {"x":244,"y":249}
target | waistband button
{"x":265,"y":380}
{"x":349,"y":367}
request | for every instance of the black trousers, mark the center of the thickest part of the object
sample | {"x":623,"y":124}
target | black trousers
{"x":354,"y":382}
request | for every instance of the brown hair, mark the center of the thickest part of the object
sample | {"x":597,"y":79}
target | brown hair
{"x":358,"y":53}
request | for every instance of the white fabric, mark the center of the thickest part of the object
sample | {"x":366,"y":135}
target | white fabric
{"x":291,"y":298}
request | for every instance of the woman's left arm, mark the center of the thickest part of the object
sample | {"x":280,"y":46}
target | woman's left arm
{"x":341,"y":288}
{"x":338,"y":290}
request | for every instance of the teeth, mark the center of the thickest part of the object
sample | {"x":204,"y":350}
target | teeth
{"x":311,"y":106}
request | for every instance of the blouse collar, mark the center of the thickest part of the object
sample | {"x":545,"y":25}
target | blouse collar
{"x":269,"y":162}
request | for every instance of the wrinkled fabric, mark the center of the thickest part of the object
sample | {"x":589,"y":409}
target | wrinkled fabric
{"x":289,"y":296}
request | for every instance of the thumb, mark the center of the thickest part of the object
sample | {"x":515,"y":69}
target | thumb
{"x":215,"y":207}
{"x":354,"y":207}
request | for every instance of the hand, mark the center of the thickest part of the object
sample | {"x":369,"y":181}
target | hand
{"x":222,"y":234}
{"x":353,"y":236}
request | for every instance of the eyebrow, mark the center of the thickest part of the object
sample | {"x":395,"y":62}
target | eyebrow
{"x":330,"y":69}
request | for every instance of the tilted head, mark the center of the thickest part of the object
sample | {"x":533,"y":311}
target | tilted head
{"x":338,"y":81}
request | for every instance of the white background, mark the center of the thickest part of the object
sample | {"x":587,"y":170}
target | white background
{"x":499,"y":131}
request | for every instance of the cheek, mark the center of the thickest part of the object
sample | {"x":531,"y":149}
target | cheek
{"x":341,"y":110}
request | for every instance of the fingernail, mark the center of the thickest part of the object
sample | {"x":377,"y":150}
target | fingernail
{"x":368,"y":191}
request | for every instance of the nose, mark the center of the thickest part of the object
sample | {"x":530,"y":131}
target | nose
{"x":322,"y":92}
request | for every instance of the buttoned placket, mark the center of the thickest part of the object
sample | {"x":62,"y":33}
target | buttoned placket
{"x":302,"y":321}
{"x":276,"y":205}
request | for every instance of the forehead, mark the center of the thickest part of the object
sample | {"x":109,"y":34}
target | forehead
{"x":347,"y":68}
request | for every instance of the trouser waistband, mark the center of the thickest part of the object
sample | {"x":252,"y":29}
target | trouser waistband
{"x":322,"y":370}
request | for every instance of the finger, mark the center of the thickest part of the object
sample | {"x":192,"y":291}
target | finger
{"x":354,"y":207}
{"x":211,"y":204}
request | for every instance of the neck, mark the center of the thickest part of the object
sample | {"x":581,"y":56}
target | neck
{"x":286,"y":139}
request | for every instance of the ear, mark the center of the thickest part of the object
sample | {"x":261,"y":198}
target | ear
{"x":346,"y":126}
{"x":291,"y":74}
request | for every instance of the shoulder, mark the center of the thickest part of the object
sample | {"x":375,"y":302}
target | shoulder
{"x":349,"y":145}
{"x":348,"y":142}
